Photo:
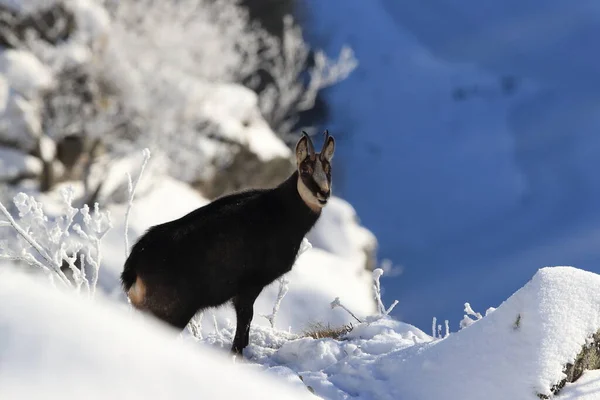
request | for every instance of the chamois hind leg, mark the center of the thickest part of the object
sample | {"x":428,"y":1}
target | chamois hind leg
{"x":244,"y":310}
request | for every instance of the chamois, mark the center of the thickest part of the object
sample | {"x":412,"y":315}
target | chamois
{"x":231,"y":248}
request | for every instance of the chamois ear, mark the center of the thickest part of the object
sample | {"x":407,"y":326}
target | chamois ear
{"x":328,"y":147}
{"x":304,"y":148}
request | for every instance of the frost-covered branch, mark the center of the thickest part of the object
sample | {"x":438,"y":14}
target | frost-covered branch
{"x":195,"y":325}
{"x":131,"y":190}
{"x":96,"y":225}
{"x":467,"y":320}
{"x":377,"y":288}
{"x":283,"y":289}
{"x":284,"y":61}
{"x":48,"y":263}
{"x":337,"y":303}
{"x":284,"y":285}
{"x":49,"y":244}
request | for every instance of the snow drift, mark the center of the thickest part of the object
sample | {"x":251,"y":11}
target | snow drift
{"x":516,"y":352}
{"x":56,"y":345}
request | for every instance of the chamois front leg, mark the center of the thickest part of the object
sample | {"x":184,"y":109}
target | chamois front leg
{"x":244,"y":310}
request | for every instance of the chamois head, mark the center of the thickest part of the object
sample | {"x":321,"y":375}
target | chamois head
{"x":314,"y":171}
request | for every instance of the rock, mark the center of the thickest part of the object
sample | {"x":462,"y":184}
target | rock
{"x":587,"y":359}
{"x":246,"y":171}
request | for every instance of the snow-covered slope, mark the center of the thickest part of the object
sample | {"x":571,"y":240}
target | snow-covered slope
{"x":56,"y":345}
{"x":468,"y":141}
{"x":517,"y":351}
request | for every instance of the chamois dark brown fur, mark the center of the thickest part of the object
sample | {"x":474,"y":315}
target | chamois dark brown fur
{"x":229,"y":249}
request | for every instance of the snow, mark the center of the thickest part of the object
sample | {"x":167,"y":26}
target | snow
{"x":58,"y":345}
{"x":236,"y":109}
{"x":15,"y":163}
{"x":496,"y":357}
{"x":25,"y":73}
{"x":559,"y":309}
{"x":338,"y":231}
{"x":90,"y":17}
{"x":24,"y":78}
{"x":586,"y":388}
{"x":516,"y":351}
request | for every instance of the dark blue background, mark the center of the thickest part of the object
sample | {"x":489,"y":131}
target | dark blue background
{"x":468,"y":142}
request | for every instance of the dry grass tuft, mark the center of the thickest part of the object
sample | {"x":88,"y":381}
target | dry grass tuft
{"x":318,"y":330}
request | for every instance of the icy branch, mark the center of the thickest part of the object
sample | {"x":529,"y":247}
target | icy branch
{"x":337,"y":303}
{"x":52,"y":240}
{"x":470,"y":311}
{"x":283,"y":289}
{"x":217,"y":331}
{"x":131,"y":189}
{"x":195,"y":326}
{"x":467,"y":320}
{"x":284,"y":61}
{"x":377,"y":288}
{"x":48,"y":264}
{"x":447,"y":324}
{"x":305,"y":245}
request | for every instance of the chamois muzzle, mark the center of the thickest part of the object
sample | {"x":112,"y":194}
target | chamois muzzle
{"x":323,"y":197}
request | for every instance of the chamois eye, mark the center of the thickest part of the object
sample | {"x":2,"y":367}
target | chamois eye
{"x":326,"y":168}
{"x":305,"y":169}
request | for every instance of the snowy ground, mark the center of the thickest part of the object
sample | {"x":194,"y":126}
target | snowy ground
{"x":515,"y":352}
{"x":56,"y":345}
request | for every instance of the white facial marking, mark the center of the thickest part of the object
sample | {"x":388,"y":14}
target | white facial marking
{"x":308,"y":197}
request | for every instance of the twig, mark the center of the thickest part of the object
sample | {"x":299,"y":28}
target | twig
{"x":35,"y":245}
{"x":283,"y":289}
{"x":132,"y":188}
{"x":337,"y":303}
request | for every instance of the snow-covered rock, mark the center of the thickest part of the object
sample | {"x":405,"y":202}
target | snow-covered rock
{"x":26,"y":74}
{"x":24,"y":79}
{"x":235,"y":109}
{"x":57,"y":345}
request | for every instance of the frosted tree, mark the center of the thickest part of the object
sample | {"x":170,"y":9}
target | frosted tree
{"x":125,"y":74}
{"x":284,"y":61}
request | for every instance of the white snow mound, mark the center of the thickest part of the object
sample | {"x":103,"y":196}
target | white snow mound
{"x":54,"y":345}
{"x":26,"y":74}
{"x":516,"y":352}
